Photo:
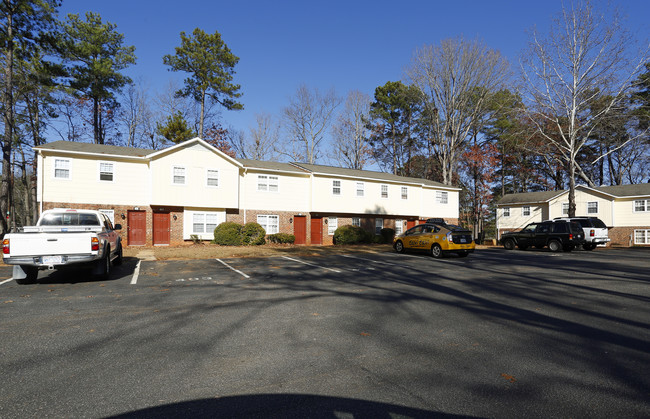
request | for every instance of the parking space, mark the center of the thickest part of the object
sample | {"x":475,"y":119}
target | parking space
{"x":521,"y":333}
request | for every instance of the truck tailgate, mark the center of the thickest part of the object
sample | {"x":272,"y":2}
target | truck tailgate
{"x":33,"y":244}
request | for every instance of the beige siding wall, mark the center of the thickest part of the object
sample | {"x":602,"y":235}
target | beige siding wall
{"x":292,"y":193}
{"x":196,"y":160}
{"x":430,"y":207}
{"x":625,"y":216}
{"x":517,"y":219}
{"x":130,"y":183}
{"x":583,"y":198}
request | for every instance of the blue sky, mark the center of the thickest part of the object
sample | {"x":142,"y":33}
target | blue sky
{"x":341,"y":44}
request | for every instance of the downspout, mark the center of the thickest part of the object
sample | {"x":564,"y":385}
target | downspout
{"x":41,"y":183}
{"x":242,"y":195}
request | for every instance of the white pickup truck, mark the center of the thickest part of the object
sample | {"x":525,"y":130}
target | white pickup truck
{"x":63,"y":237}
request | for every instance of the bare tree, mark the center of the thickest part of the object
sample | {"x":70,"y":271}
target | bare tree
{"x":307,"y":118}
{"x":349,"y":132}
{"x":456,"y":78}
{"x":134,"y":112}
{"x":262,"y":143}
{"x":585,"y":56}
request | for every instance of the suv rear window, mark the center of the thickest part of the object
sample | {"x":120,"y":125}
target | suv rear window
{"x":597,"y":222}
{"x":559,"y":228}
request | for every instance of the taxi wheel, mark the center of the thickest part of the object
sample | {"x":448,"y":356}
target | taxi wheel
{"x":436,"y":250}
{"x":399,"y":246}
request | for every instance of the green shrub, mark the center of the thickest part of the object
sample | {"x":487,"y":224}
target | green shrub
{"x":387,"y":235}
{"x":252,"y":234}
{"x":282,"y":238}
{"x":351,"y":235}
{"x":228,"y":234}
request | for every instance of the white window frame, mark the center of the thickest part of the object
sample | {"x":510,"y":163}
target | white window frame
{"x":211,"y":174}
{"x":591,"y":205}
{"x":384,"y":191}
{"x":506,"y":212}
{"x":442,"y":197}
{"x":184,"y":176}
{"x":565,"y":208}
{"x":208,"y":221}
{"x":405,"y":192}
{"x":379,"y":224}
{"x":100,"y":171}
{"x":268,"y":183}
{"x":525,"y":211}
{"x":361,"y":189}
{"x":336,"y":187}
{"x":356,"y":221}
{"x":643,"y":207}
{"x":399,"y":227}
{"x":270,"y":223}
{"x":332,"y":225}
{"x":69,"y":168}
{"x":645,"y":234}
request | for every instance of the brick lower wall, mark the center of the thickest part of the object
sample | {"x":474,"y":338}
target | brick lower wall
{"x":624,"y":236}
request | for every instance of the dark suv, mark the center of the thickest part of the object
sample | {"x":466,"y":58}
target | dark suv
{"x":557,"y":235}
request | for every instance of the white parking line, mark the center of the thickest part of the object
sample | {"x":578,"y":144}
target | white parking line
{"x":311,"y":264}
{"x":6,"y":280}
{"x":236,"y":270}
{"x":134,"y":280}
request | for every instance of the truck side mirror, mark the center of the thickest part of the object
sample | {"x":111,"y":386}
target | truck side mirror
{"x":117,"y":227}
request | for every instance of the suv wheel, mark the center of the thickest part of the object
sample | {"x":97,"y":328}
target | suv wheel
{"x":554,"y":246}
{"x":509,"y":244}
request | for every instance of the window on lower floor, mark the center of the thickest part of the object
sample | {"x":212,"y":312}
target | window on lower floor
{"x":399,"y":226}
{"x":204,"y":222}
{"x":356,"y":221}
{"x":332,"y":225}
{"x":379,"y":224}
{"x":641,"y":236}
{"x":270,"y":223}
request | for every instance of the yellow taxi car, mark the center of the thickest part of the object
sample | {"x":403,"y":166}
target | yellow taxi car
{"x":437,"y":238}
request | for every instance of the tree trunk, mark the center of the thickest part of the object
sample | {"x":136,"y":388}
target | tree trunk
{"x":8,"y":116}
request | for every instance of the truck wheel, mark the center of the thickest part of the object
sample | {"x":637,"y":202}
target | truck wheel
{"x":31,"y":274}
{"x":588,"y":246}
{"x":554,"y":246}
{"x":118,"y":259}
{"x":436,"y":250}
{"x":509,"y":244}
{"x":104,"y":270}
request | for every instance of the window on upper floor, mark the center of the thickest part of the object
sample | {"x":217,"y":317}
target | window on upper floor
{"x":384,"y":191}
{"x":267,"y":183}
{"x":178,"y":175}
{"x":405,"y":192}
{"x":62,"y":168}
{"x":106,"y":171}
{"x":525,"y":211}
{"x":356,"y":221}
{"x":565,"y":209}
{"x":270,"y":223}
{"x":506,"y":212}
{"x":336,"y":187}
{"x":642,"y":205}
{"x":592,"y":207}
{"x":212,"y":177}
{"x":442,"y":197}
{"x":361,"y":189}
{"x":332,"y":225}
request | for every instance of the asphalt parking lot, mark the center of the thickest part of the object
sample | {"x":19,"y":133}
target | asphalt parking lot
{"x":497,"y":334}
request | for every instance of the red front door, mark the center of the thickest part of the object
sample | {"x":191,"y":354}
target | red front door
{"x":300,"y":229}
{"x":161,"y":228}
{"x":317,"y":230}
{"x":137,"y":228}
